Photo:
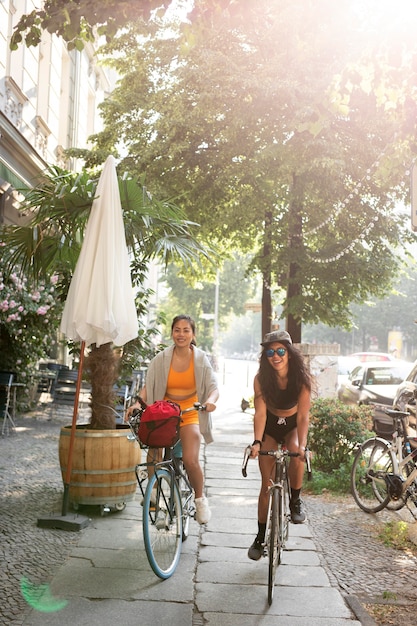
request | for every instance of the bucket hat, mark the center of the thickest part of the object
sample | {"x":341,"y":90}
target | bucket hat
{"x":276,"y":335}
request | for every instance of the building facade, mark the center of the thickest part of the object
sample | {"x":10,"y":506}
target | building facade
{"x":49,"y":99}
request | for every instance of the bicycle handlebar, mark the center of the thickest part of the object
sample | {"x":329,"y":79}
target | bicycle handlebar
{"x":197,"y":406}
{"x":276,"y":453}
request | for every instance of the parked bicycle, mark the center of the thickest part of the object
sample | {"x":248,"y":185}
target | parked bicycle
{"x":279,"y":514}
{"x":384,"y":472}
{"x":168,"y":502}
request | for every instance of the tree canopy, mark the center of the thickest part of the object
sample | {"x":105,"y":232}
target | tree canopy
{"x":80,"y":21}
{"x":288,"y":128}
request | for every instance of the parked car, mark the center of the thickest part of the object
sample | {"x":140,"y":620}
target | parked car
{"x":345,"y":364}
{"x":405,"y":398}
{"x":373,"y":382}
{"x":372,"y":356}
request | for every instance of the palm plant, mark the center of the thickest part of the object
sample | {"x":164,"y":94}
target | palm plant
{"x":58,"y":208}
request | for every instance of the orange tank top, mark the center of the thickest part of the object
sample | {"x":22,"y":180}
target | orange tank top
{"x":182,"y":384}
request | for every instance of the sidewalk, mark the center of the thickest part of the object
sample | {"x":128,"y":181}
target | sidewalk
{"x":107,"y":579}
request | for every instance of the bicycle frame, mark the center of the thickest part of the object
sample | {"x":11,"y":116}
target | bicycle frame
{"x":399,"y":439}
{"x":279,"y":515}
{"x":171,"y":461}
{"x":168,"y":503}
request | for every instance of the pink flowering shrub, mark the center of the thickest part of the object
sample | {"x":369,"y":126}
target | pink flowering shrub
{"x":29,"y":321}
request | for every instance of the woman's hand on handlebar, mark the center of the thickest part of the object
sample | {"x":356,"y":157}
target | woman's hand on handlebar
{"x":254,"y":449}
{"x":302,"y":453}
{"x":130,"y":409}
{"x":209,"y":406}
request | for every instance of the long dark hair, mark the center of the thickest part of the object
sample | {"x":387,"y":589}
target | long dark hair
{"x":298,"y":375}
{"x":188,"y":319}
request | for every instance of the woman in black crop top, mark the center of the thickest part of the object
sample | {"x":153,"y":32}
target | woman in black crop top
{"x":282,"y":403}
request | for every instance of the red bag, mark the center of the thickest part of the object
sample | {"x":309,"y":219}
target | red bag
{"x":159,"y":424}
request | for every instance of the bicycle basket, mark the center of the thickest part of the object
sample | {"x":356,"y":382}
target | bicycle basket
{"x":159,"y":424}
{"x":384,"y":428}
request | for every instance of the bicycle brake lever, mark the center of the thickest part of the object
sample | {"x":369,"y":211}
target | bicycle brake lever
{"x":245,"y":460}
{"x":307,"y":454}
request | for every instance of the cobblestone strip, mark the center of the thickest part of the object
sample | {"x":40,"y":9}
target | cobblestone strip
{"x":30,"y":487}
{"x":360,"y":563}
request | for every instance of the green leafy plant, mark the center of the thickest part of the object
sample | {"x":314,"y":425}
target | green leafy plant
{"x":334,"y":481}
{"x":335,"y":429}
{"x":395,"y":535}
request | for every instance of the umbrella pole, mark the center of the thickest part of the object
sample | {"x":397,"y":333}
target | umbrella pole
{"x":65,"y":521}
{"x":67,"y":481}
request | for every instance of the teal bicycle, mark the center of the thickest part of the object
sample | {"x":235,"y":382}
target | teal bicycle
{"x":168,"y":503}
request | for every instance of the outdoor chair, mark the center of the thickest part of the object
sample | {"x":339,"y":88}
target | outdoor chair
{"x":122,"y":397}
{"x":65,"y":387}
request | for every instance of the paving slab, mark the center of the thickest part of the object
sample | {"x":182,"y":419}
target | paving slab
{"x":301,"y":602}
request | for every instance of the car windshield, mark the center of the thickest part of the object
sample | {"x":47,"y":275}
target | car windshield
{"x":386,"y":375}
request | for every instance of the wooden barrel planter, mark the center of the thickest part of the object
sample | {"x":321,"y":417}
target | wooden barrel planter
{"x":103,"y":465}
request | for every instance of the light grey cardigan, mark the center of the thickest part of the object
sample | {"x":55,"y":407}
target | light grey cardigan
{"x":205,"y":378}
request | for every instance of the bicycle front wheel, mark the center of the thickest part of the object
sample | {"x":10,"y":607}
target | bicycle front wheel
{"x":162,"y":523}
{"x":373,"y":461}
{"x":273,"y":541}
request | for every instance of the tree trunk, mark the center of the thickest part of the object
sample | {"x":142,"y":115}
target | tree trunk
{"x":293,"y":325}
{"x":266,"y":303}
{"x":295,"y":242}
{"x":102,"y":364}
{"x":266,"y":277}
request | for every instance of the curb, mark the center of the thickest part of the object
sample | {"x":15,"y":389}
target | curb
{"x":359,"y":611}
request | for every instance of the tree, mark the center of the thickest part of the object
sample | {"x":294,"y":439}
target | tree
{"x":376,"y":318}
{"x":51,"y":242}
{"x":80,"y":21}
{"x":286,"y":128}
{"x":197,"y":297}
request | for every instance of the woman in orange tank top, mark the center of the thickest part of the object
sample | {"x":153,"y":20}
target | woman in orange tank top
{"x":183,"y":374}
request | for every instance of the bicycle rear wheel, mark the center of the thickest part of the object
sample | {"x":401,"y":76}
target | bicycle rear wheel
{"x":373,"y":461}
{"x":396,"y":505}
{"x":162,"y":523}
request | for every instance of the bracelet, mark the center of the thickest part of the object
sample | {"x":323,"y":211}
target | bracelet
{"x":257,"y":441}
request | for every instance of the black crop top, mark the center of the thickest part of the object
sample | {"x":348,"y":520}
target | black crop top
{"x":286,"y":398}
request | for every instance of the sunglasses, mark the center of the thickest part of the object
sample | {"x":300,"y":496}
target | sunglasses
{"x":280,"y":352}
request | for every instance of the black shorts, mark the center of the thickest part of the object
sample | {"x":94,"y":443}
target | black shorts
{"x":279,"y":431}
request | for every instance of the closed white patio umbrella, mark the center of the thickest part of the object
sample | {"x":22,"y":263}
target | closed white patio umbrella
{"x":100,"y":306}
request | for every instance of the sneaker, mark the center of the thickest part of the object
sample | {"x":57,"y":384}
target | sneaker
{"x":152,"y":501}
{"x":203,"y":512}
{"x":256,"y":550}
{"x":298,"y":515}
